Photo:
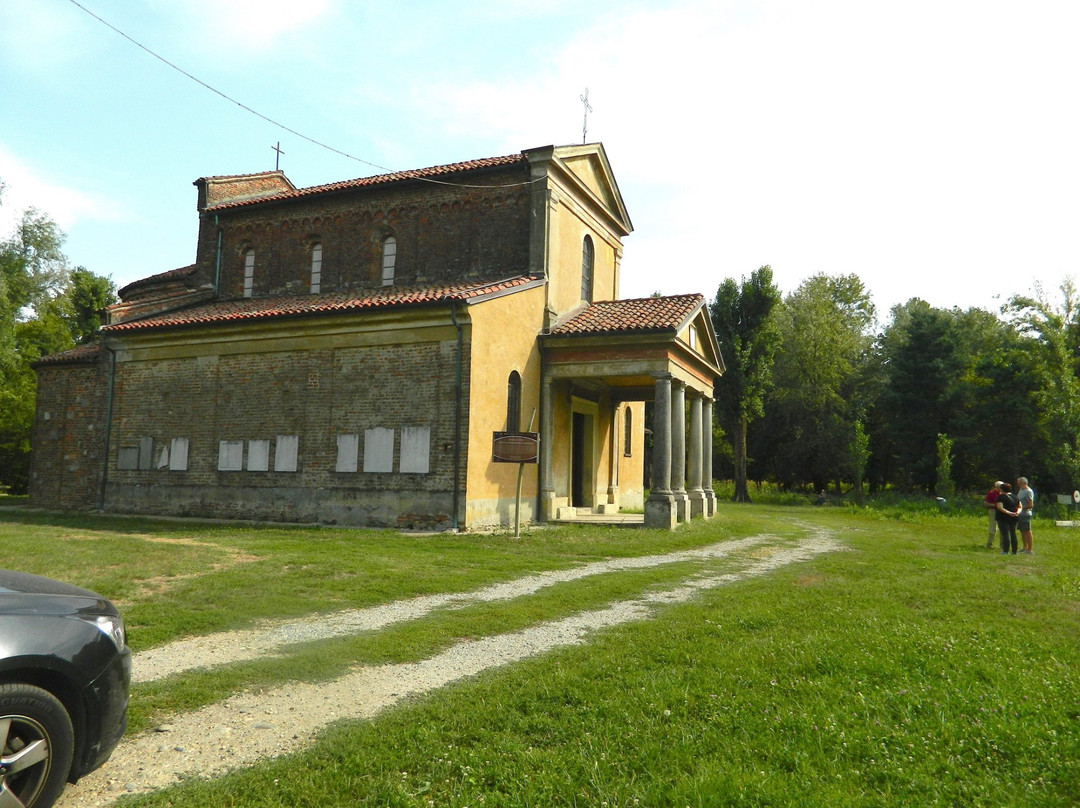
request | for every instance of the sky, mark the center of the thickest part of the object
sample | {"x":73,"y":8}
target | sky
{"x":931,"y":147}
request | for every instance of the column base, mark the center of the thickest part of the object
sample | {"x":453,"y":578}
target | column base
{"x":697,"y":504}
{"x":682,"y":506}
{"x":710,"y":504}
{"x":660,"y":511}
{"x":548,"y":506}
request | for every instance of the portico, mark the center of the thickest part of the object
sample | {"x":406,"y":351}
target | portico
{"x":610,"y":358}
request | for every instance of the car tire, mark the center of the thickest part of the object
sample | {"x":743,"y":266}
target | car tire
{"x":36,"y":745}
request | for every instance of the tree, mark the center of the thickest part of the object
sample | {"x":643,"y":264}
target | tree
{"x":742,"y":317}
{"x":1052,"y":350}
{"x":44,"y":309}
{"x":820,"y":380}
{"x":859,"y":452}
{"x":83,"y":302}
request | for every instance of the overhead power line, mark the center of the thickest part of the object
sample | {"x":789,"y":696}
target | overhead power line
{"x":270,"y":120}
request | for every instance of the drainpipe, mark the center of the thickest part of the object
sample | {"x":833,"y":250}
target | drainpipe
{"x":108,"y":423}
{"x":457,"y":411}
{"x":217,"y":266}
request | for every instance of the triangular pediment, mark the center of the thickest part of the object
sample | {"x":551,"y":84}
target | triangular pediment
{"x":588,"y":168}
{"x":698,"y":334}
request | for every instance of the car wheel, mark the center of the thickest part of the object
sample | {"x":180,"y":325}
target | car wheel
{"x":36,"y":742}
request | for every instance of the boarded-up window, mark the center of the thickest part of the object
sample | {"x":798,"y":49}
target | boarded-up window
{"x":348,"y":449}
{"x":415,"y":450}
{"x":163,"y":458}
{"x":285,"y":452}
{"x":146,"y":454}
{"x":127,"y":459}
{"x":230,"y":455}
{"x":258,"y":455}
{"x":141,"y":457}
{"x":178,"y":452}
{"x":378,"y":449}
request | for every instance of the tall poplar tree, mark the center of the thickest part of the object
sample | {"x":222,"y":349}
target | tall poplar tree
{"x":745,"y":325}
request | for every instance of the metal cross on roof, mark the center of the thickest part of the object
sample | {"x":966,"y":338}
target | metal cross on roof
{"x":588,"y":109}
{"x":277,"y":157}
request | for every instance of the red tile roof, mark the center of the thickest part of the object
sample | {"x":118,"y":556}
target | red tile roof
{"x":642,"y":315}
{"x":431,"y":173}
{"x":173,"y":274}
{"x":265,"y":308}
{"x":77,"y":355}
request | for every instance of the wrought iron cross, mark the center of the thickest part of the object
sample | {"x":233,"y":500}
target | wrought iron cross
{"x":588,"y":109}
{"x":277,"y":157}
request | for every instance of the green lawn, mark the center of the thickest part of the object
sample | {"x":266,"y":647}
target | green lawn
{"x":916,"y":668}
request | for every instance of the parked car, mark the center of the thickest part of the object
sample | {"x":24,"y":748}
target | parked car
{"x":65,"y":670}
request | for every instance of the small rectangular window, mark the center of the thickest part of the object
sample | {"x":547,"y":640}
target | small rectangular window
{"x":230,"y":455}
{"x":415,"y":450}
{"x":258,"y":455}
{"x":286,"y":452}
{"x":178,"y":454}
{"x":378,"y":450}
{"x":348,"y":450}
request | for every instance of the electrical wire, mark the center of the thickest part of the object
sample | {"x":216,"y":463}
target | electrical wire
{"x":278,"y":124}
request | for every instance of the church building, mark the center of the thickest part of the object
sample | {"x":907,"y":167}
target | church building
{"x":348,"y":353}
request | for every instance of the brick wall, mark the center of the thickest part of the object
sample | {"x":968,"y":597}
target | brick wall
{"x":444,"y":234}
{"x":68,"y":435}
{"x":313,"y":394}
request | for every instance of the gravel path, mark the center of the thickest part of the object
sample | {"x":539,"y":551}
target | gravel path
{"x":247,"y":728}
{"x":228,"y":647}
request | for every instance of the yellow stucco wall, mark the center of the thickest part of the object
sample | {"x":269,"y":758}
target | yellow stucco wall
{"x":504,"y":338}
{"x":572,"y":221}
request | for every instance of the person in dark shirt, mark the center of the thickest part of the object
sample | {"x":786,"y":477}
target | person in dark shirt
{"x":1007,"y":512}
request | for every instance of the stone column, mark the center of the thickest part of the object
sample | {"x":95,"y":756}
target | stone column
{"x":706,"y":456}
{"x":678,"y":451}
{"x":547,"y":437}
{"x":695,"y":491}
{"x":660,"y":506}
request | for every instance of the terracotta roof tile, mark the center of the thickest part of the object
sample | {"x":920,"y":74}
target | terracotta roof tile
{"x":73,"y":356}
{"x":173,"y":274}
{"x":641,"y":315}
{"x":383,"y":179}
{"x":265,"y":308}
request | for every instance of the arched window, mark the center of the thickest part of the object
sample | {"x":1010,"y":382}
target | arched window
{"x":513,"y":402}
{"x":316,"y":267}
{"x":587,"y":258}
{"x":249,"y":272}
{"x":628,"y":432}
{"x":389,"y":258}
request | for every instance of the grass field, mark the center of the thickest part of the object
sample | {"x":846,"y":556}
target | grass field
{"x":914,"y":668}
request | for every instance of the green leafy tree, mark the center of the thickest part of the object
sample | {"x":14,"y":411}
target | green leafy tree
{"x":944,"y":447}
{"x":859,"y":454}
{"x":820,"y":380}
{"x":1052,"y":333}
{"x":743,"y":318}
{"x":44,"y":309}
